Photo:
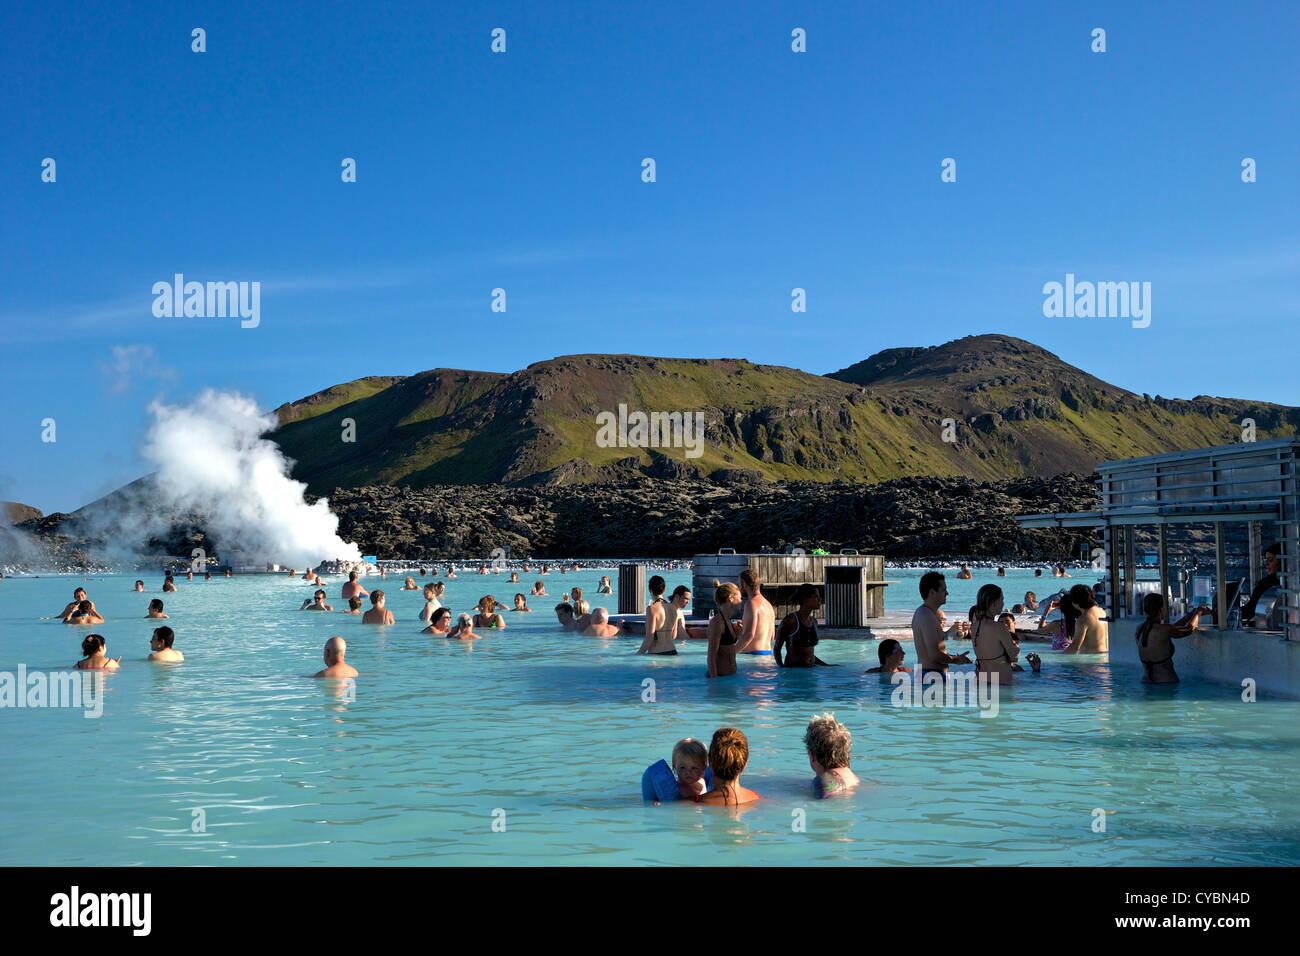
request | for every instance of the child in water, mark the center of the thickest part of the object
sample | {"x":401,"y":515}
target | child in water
{"x":690,"y":760}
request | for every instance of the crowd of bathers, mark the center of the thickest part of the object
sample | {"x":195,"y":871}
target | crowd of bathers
{"x":711,"y":776}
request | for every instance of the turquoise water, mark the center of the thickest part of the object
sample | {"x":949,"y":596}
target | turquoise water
{"x":551,"y":730}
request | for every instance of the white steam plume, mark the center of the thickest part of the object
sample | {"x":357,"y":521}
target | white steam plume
{"x":212,"y":459}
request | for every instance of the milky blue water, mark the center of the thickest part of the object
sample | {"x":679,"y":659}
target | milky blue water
{"x":236,"y":757}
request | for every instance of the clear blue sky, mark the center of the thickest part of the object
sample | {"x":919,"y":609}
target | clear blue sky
{"x":522,"y":170}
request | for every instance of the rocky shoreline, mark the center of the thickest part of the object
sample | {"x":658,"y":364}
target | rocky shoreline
{"x":907,"y":519}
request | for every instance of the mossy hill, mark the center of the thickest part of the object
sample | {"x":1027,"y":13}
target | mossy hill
{"x":1019,"y":411}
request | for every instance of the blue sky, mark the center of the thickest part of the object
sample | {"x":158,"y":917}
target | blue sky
{"x":523,"y":171}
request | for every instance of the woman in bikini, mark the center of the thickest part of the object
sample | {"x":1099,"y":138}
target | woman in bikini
{"x":487,"y":616}
{"x":722,"y":630}
{"x":95,"y":659}
{"x":995,"y":646}
{"x":1155,"y":639}
{"x":661,"y":621}
{"x":799,"y":629}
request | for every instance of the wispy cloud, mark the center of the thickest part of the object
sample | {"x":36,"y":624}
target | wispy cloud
{"x":128,"y":364}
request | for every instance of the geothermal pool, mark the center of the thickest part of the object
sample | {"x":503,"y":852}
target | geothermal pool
{"x":235,"y":757}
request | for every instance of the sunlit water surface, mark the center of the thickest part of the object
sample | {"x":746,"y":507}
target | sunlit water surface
{"x":236,"y":757}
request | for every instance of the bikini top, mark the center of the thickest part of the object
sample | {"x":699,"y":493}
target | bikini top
{"x":803,"y":636}
{"x":728,"y":635}
{"x":1004,"y":656}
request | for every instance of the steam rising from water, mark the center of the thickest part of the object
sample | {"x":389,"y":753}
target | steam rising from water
{"x":212,"y":460}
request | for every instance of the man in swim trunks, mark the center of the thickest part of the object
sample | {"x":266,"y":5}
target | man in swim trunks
{"x":927,"y":633}
{"x":352,"y":589}
{"x":757,"y":620}
{"x":335,"y":650}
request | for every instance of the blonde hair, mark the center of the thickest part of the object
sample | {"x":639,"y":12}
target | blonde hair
{"x":691,"y":749}
{"x":724,"y":591}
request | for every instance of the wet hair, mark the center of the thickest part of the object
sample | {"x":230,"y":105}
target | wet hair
{"x":84,"y":607}
{"x":521,"y":597}
{"x":438,"y":588}
{"x":656,"y":585}
{"x":692,"y":750}
{"x":723,"y":592}
{"x":93,"y":644}
{"x":1153,"y":607}
{"x":139,"y":582}
{"x":352,"y":575}
{"x":680,"y":590}
{"x":564,"y":606}
{"x":1081,"y":597}
{"x":886,"y":649}
{"x":488,"y":604}
{"x":829,"y":741}
{"x":165,"y":634}
{"x":433,"y":618}
{"x":155,"y":605}
{"x":319,"y":592}
{"x":930,"y":581}
{"x":802,"y":593}
{"x":376,"y":596}
{"x":354,"y":602}
{"x":728,"y":754}
{"x":988,"y":595}
{"x":749,"y":578}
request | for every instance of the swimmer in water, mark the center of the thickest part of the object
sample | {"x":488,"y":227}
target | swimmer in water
{"x":433,"y":591}
{"x":378,"y":614}
{"x":93,"y":656}
{"x":482,"y":569}
{"x":599,"y":625}
{"x":539,"y":589}
{"x":689,"y":761}
{"x":514,"y":577}
{"x":440,"y":624}
{"x":604,"y":587}
{"x":317,"y":603}
{"x":488,"y":616}
{"x":84,"y":613}
{"x":352,"y":588}
{"x":78,"y":596}
{"x":521,"y":604}
{"x":169,"y":584}
{"x":964,"y":574}
{"x":564,"y":614}
{"x":1155,"y":639}
{"x":156,"y":609}
{"x":354,"y":606}
{"x":728,"y":757}
{"x":160,"y":646}
{"x":829,"y":745}
{"x":189,"y":575}
{"x":758,"y":625}
{"x":664,"y":622}
{"x":580,"y":606}
{"x":139,"y":585}
{"x":892,"y":656}
{"x":799,"y":630}
{"x":336,"y":650}
{"x":722,"y":632}
{"x":464,"y":630}
{"x":996,"y":648}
